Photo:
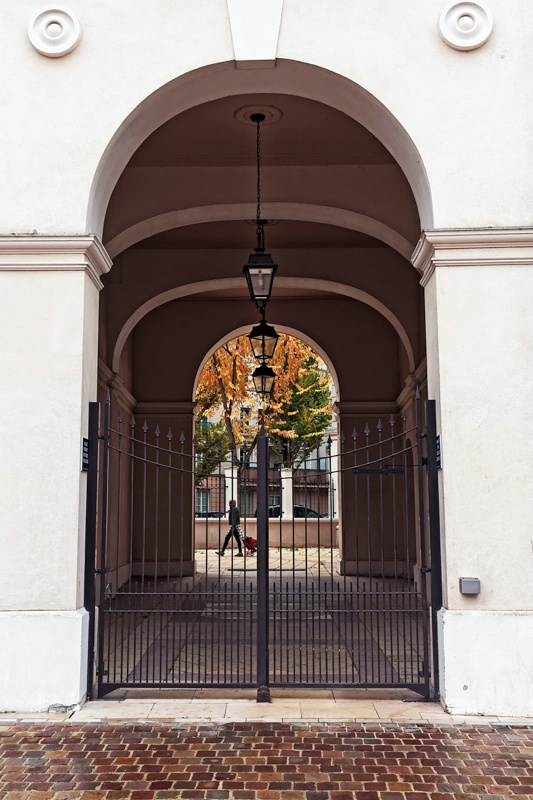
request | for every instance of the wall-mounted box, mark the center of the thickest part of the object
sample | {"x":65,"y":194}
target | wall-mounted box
{"x":469,"y":585}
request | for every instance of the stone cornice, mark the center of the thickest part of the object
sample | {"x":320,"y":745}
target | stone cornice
{"x":110,"y":380}
{"x":416,"y":378}
{"x":472,"y":247}
{"x":34,"y":253}
{"x":360,"y":408}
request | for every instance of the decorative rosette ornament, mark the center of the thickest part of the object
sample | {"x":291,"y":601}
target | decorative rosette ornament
{"x":465,"y":25}
{"x":54,"y":32}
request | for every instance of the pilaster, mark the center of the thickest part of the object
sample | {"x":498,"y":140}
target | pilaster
{"x":479,"y":295}
{"x":49,"y":288}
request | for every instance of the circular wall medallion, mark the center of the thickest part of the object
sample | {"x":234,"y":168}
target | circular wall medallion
{"x":54,"y":32}
{"x":271,"y":114}
{"x":465,"y":25}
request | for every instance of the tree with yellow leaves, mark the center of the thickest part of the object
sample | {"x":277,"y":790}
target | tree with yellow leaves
{"x":296,"y":416}
{"x":299,"y":412}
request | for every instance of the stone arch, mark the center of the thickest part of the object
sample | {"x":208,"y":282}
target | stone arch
{"x":297,"y":334}
{"x":305,"y":212}
{"x":235,"y":283}
{"x":289,"y":77}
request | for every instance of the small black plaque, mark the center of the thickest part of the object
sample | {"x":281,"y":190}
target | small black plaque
{"x":380,"y":471}
{"x":85,"y":455}
{"x":439,"y":452}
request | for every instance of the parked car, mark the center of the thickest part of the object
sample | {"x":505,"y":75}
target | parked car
{"x":298,"y":512}
{"x":216,"y":514}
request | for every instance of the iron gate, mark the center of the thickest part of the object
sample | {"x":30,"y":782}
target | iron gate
{"x":337,"y":594}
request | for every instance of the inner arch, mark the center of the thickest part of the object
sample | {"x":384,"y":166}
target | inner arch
{"x":305,"y":212}
{"x":297,"y":334}
{"x":234,"y":283}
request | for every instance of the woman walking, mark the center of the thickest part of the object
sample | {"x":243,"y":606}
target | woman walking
{"x":234,"y":520}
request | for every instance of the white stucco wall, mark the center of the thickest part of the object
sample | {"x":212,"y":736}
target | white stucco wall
{"x":468,"y":112}
{"x":43,"y":662}
{"x":48,"y":329}
{"x":479,"y":327}
{"x":393,"y":51}
{"x":487,"y":661}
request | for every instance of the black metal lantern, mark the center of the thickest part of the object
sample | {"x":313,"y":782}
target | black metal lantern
{"x":263,"y":379}
{"x":263,"y":339}
{"x":260,"y":271}
{"x":260,"y":268}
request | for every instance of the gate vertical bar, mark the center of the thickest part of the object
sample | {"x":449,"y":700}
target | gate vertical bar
{"x":103,"y":543}
{"x":263,"y":688}
{"x":423,"y":549}
{"x":434,"y":536}
{"x":89,"y":599}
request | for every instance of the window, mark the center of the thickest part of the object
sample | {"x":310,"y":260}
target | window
{"x":202,"y":498}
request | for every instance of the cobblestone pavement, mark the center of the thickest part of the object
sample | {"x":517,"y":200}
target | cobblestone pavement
{"x":265,"y":761}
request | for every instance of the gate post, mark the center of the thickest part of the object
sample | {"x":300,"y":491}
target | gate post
{"x":89,"y":599}
{"x":101,"y":570}
{"x":263,"y":688}
{"x":424,"y":569}
{"x":434,"y":536}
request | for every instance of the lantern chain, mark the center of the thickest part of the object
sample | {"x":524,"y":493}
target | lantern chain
{"x":260,"y":231}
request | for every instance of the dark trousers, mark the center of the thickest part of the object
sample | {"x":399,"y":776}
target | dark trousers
{"x":232,"y":532}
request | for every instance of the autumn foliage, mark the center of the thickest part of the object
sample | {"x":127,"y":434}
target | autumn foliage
{"x":296,"y":416}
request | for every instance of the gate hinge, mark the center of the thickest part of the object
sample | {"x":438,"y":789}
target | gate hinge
{"x":100,"y":571}
{"x":425,"y":570}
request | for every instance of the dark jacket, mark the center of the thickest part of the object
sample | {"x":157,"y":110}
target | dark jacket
{"x":234,"y":518}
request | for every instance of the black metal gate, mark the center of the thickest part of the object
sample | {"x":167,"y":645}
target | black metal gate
{"x":337,"y":594}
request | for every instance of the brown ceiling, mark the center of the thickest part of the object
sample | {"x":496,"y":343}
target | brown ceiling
{"x":313,"y":155}
{"x":308,"y":133}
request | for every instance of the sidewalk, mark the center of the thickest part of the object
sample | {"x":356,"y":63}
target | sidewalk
{"x":239,"y":705}
{"x":375,"y":760}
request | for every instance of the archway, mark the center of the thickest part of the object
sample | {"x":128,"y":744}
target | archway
{"x":344,"y":211}
{"x":219,"y":80}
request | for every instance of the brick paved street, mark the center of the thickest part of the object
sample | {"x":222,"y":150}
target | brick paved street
{"x":265,"y":761}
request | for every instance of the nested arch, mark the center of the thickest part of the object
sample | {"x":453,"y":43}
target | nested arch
{"x":297,"y":334}
{"x":306,"y":212}
{"x":236,"y":283}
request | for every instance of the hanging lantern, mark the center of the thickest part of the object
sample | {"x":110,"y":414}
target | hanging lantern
{"x":263,"y":379}
{"x":259,"y":272}
{"x":263,"y":340}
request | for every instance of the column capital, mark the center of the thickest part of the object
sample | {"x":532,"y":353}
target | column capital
{"x":472,"y":247}
{"x":107,"y":379}
{"x":32,"y":253}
